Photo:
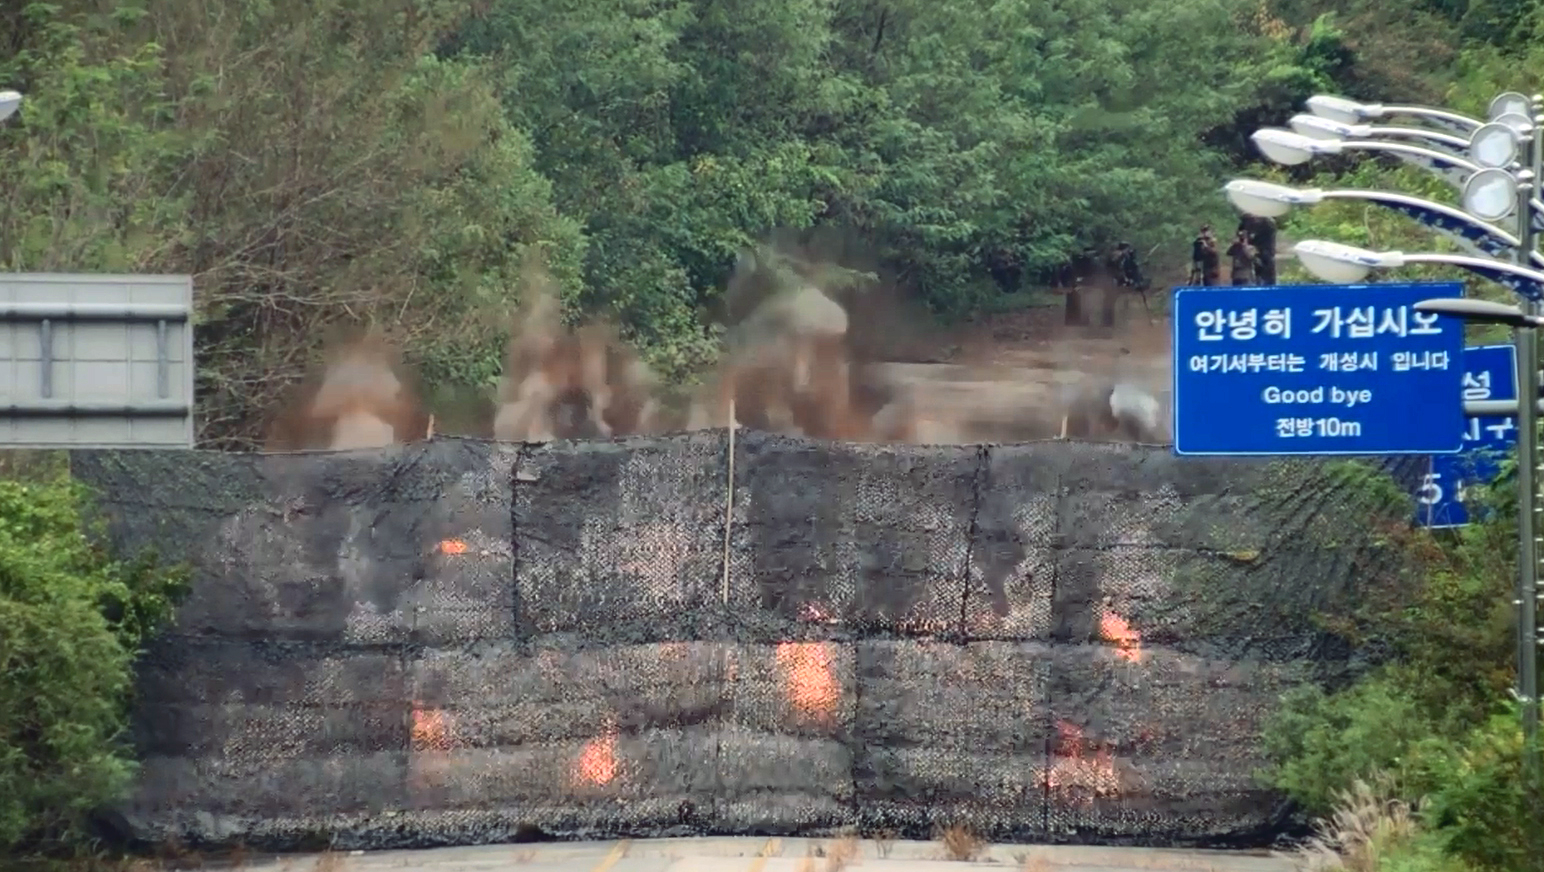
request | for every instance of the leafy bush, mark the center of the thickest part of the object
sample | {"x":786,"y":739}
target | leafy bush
{"x":1321,"y":743}
{"x":1435,"y":726}
{"x":71,"y":623}
{"x":1476,"y":802}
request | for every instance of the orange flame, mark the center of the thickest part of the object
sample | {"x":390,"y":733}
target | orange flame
{"x":598,"y":761}
{"x":812,"y":684}
{"x":1073,"y":769}
{"x":1128,"y":642}
{"x":431,"y":730}
{"x":452,"y":546}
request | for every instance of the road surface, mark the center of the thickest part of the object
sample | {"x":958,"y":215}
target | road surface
{"x":771,"y":855}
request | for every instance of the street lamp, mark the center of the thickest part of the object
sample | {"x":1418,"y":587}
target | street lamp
{"x":10,"y":101}
{"x":1324,"y":128}
{"x":1270,"y":200}
{"x":1481,"y":311}
{"x":1351,"y":112}
{"x":1525,"y":325}
{"x":1494,"y":187}
{"x":1348,"y":265}
{"x":1291,"y":149}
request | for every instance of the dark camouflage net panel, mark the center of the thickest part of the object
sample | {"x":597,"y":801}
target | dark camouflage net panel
{"x":461,"y":642}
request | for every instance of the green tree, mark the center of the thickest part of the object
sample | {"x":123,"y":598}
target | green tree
{"x":310,"y":164}
{"x":72,"y":621}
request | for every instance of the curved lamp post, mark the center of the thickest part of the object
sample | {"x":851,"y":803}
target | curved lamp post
{"x":1324,"y":128}
{"x":1348,"y":265}
{"x":1494,"y":144}
{"x":1291,"y":149}
{"x":10,"y":101}
{"x":1271,"y":200}
{"x":1498,"y":173}
{"x":1351,"y":112}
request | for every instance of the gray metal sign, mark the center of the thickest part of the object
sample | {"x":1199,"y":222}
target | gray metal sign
{"x":96,"y":361}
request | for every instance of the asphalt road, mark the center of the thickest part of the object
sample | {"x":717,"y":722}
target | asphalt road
{"x":771,"y":855}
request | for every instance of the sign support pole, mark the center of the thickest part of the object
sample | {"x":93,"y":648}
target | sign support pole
{"x":1529,"y":476}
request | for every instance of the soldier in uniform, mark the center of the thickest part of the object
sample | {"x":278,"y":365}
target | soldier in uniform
{"x":1128,"y":274}
{"x":1243,"y":256}
{"x":1262,"y":235}
{"x":1205,"y":262}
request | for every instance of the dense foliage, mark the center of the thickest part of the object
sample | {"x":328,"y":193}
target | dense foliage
{"x":331,"y":162}
{"x":71,"y":622}
{"x":1436,"y":727}
{"x":315,"y":164}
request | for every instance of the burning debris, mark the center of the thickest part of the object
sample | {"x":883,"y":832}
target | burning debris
{"x":1116,"y":629}
{"x":597,"y":763}
{"x":1080,"y":768}
{"x":431,"y":730}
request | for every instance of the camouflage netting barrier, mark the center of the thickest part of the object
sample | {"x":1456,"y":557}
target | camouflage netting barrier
{"x":460,"y":642}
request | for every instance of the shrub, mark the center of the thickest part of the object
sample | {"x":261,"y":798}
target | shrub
{"x":72,"y":620}
{"x":1320,"y":744}
{"x":1476,"y":802}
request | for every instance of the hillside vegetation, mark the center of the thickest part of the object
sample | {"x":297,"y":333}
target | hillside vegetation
{"x":323,"y":163}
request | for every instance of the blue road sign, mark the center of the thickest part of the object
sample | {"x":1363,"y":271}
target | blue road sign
{"x":1316,"y":370}
{"x":1490,"y":373}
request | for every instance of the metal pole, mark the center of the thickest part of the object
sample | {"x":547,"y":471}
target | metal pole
{"x":1528,"y":392}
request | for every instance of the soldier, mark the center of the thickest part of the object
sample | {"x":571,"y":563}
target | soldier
{"x":1243,"y":255}
{"x":1128,"y":274}
{"x":1205,"y":263}
{"x":1262,"y":235}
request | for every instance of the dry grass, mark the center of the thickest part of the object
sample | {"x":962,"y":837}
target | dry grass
{"x":843,"y":852}
{"x":1034,"y":861}
{"x":329,"y":861}
{"x":960,"y":843}
{"x":884,"y":843}
{"x":1357,"y":835}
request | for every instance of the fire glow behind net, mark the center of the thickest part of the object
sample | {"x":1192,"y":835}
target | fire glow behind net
{"x":458,"y":642}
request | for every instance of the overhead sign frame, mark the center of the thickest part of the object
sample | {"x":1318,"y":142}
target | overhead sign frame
{"x":96,"y":361}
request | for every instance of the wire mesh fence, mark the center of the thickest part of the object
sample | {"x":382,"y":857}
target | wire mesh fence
{"x":456,"y":642}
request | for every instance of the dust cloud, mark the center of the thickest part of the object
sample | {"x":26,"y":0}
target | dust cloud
{"x":816,"y":346}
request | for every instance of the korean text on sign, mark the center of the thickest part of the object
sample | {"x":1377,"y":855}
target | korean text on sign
{"x":1316,"y":369}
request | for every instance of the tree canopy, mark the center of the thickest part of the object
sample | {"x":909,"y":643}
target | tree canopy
{"x":317,"y":164}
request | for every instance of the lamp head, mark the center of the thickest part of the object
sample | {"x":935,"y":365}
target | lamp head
{"x":1340,"y":109}
{"x":1342,"y":264}
{"x":1267,"y":199}
{"x":1518,"y":121}
{"x":1483,"y":311}
{"x":1290,"y":149}
{"x":1509,"y":103}
{"x":1315,"y":127}
{"x":1494,"y":145}
{"x":10,"y":101}
{"x":1490,"y":194}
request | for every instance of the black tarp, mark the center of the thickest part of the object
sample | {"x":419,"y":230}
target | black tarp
{"x":456,"y":642}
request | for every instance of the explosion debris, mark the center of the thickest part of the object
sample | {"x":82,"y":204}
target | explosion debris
{"x":359,"y":399}
{"x":569,"y":384}
{"x":811,"y":351}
